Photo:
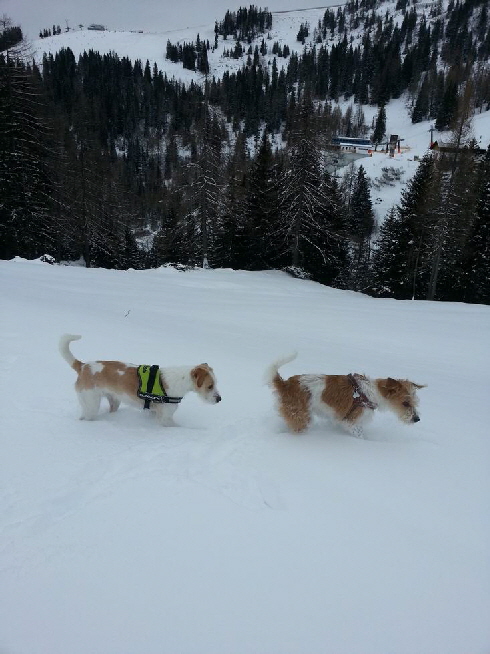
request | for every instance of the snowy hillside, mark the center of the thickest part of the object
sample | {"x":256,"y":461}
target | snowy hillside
{"x":147,"y":15}
{"x":151,"y":46}
{"x":228,"y":534}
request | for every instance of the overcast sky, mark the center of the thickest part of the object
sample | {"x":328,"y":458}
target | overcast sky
{"x":148,"y":15}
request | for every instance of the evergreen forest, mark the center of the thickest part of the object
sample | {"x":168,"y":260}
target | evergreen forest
{"x":108,"y":162}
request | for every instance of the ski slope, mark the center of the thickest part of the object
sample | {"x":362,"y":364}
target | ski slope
{"x":227,"y":534}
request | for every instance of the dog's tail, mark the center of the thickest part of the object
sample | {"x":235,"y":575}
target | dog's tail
{"x":272,"y":376}
{"x":64,"y":348}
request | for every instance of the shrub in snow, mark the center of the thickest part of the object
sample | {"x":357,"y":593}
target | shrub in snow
{"x":389,"y":176}
{"x":296,"y":271}
{"x":47,"y":258}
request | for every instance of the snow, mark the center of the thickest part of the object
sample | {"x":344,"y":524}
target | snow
{"x":227,"y":533}
{"x":147,"y":15}
{"x":416,"y":143}
{"x":151,"y":45}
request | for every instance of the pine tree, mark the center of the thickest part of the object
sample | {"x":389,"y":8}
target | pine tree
{"x":452,"y":245}
{"x":380,"y":126}
{"x":457,"y":197}
{"x":309,"y":208}
{"x":478,"y":257}
{"x":437,"y":93}
{"x":391,"y":277}
{"x":11,"y":39}
{"x":255,"y":245}
{"x":25,"y":187}
{"x":207,"y":199}
{"x":421,"y":109}
{"x":400,"y":258}
{"x":231,"y":244}
{"x":449,"y":103}
{"x":360,"y":225}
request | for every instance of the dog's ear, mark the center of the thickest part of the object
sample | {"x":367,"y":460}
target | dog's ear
{"x":199,"y":374}
{"x":418,"y":385}
{"x":390,"y":386}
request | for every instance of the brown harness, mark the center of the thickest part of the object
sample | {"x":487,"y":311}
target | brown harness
{"x":360,"y":399}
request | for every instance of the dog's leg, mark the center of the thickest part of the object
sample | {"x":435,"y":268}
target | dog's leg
{"x":356,"y":422}
{"x":297,"y":418}
{"x":113,"y":402}
{"x":90,"y":403}
{"x":164,"y":414}
{"x":354,"y":428}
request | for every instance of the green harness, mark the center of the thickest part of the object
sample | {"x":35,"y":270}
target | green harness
{"x":150,"y":387}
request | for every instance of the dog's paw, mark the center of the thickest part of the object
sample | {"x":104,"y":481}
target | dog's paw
{"x":168,"y":423}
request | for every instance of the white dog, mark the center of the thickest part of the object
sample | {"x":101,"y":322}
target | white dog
{"x":117,"y":381}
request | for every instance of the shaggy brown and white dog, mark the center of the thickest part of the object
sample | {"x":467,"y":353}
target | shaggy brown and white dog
{"x":117,"y":381}
{"x":348,"y":399}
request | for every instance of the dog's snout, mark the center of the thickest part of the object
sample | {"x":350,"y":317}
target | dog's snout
{"x":218,"y":398}
{"x":415,"y":419}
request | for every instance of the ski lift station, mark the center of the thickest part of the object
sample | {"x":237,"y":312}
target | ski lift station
{"x":345,"y":149}
{"x":355,"y":144}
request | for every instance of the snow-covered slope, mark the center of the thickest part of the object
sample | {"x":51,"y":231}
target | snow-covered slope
{"x":151,"y":46}
{"x":416,"y":143}
{"x":228,"y":534}
{"x":147,"y":15}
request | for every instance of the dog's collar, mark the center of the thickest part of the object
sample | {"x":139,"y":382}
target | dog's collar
{"x":359,"y":397}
